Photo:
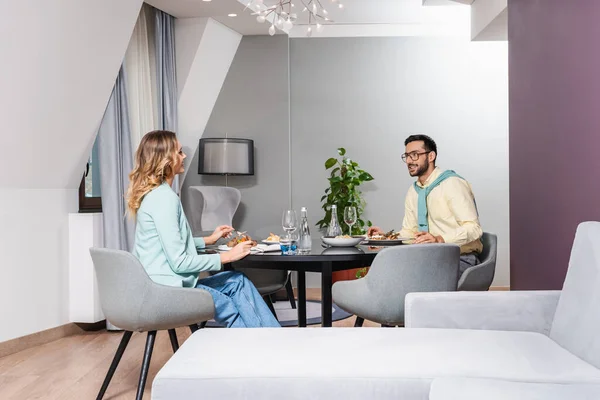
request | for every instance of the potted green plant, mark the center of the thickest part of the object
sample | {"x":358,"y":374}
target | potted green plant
{"x":345,"y":179}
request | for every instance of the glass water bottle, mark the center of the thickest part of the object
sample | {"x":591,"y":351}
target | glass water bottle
{"x":334,"y":228}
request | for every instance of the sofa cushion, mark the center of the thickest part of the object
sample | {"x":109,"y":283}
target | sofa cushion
{"x":576,"y":324}
{"x":356,"y":363}
{"x":491,"y":389}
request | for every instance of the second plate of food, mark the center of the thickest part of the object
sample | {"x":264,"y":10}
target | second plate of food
{"x":342,"y":241}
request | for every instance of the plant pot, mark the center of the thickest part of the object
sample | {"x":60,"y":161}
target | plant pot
{"x":347,"y":275}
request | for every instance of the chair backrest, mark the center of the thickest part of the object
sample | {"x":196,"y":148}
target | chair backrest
{"x":400,"y":270}
{"x":122,"y":283}
{"x":490,"y":248}
{"x":576,"y":325}
{"x":212,"y":206}
{"x":481,"y":276}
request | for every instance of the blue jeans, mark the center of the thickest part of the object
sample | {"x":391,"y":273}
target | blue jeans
{"x":237,"y":302}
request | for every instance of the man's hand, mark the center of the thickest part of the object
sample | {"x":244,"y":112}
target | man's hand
{"x":240,"y":251}
{"x":222,"y":231}
{"x":426,"y":237}
{"x":375,"y":230}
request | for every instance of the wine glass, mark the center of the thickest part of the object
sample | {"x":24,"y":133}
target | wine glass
{"x":350,"y":218}
{"x":289,"y":221}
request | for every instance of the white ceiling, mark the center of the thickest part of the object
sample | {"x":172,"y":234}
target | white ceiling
{"x":244,"y":23}
{"x":357,"y":14}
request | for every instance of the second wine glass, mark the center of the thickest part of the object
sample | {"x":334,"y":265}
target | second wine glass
{"x":350,"y":218}
{"x":289,"y":221}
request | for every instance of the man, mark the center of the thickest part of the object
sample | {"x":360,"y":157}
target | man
{"x":440,"y":206}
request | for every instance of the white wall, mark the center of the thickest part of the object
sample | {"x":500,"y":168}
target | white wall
{"x":58,"y":69}
{"x":34,"y":233}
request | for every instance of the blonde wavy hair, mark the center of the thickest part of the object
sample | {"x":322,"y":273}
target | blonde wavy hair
{"x":154,"y":161}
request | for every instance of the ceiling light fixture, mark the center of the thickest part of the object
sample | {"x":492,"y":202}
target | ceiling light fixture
{"x":232,"y":15}
{"x":281,"y":17}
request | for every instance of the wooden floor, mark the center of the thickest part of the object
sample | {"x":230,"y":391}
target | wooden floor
{"x":73,"y":368}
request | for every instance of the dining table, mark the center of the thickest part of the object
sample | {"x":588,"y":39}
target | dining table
{"x":321,"y":259}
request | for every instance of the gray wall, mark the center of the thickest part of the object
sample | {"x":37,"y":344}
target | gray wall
{"x":369,"y":94}
{"x":254,"y":104}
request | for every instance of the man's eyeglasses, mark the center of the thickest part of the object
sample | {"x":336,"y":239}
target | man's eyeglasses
{"x":413,"y":156}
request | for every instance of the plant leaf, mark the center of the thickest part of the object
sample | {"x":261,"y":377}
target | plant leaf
{"x":365,"y":176}
{"x":342,"y":151}
{"x":330,"y":163}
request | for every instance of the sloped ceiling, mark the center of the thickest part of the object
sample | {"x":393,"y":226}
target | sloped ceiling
{"x":58,"y":69}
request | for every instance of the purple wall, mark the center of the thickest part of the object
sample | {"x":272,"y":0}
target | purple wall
{"x":554,"y":131}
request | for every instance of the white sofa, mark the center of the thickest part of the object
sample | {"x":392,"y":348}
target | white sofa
{"x":493,"y":389}
{"x":509,"y":338}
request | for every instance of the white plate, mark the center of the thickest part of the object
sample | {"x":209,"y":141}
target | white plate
{"x":385,"y":242}
{"x":270,"y":242}
{"x":259,"y":248}
{"x":342,"y":242}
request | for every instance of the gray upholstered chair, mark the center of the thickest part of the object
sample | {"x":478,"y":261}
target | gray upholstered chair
{"x":211,"y":206}
{"x":133,"y":302}
{"x":480,"y":277}
{"x":396,"y":271}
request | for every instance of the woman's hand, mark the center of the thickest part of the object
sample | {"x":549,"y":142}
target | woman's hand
{"x":222,"y":231}
{"x":240,"y":251}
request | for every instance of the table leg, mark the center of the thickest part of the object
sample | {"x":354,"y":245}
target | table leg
{"x":326,"y":301}
{"x":301,"y":299}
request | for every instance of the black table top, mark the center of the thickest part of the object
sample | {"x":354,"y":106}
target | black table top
{"x":320,"y":253}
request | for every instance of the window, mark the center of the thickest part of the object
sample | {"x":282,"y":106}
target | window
{"x":90,"y":194}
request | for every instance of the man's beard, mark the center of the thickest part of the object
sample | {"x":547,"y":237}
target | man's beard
{"x":420,"y":170}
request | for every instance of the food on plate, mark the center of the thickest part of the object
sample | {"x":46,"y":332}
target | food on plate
{"x":343,"y":237}
{"x":391,"y":235}
{"x":273,"y":238}
{"x":239,"y":239}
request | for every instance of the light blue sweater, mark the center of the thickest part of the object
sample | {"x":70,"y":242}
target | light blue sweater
{"x":164,"y":243}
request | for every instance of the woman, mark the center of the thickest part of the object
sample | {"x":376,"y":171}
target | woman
{"x":164,"y":243}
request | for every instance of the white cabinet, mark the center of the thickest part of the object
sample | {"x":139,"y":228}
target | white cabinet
{"x":85,"y":231}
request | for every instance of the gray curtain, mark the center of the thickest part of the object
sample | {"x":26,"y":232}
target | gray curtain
{"x":166,"y":75}
{"x":115,"y":156}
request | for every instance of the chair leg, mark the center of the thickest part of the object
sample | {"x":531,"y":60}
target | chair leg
{"x":115,"y":363}
{"x":145,"y":364}
{"x":194,"y":328}
{"x":290,"y":293}
{"x":267,"y":299}
{"x":173,"y":337}
{"x":359,"y":322}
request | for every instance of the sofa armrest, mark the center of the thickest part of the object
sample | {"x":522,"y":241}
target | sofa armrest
{"x":531,"y":311}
